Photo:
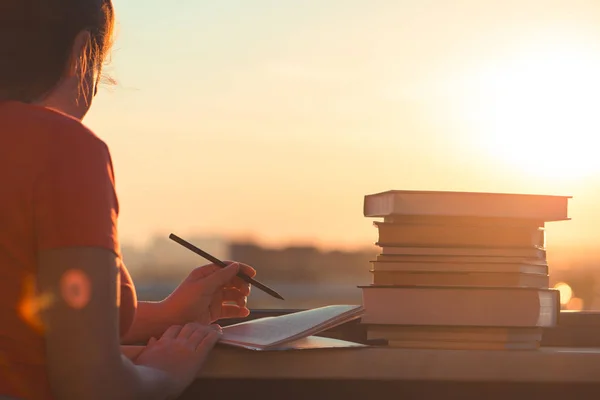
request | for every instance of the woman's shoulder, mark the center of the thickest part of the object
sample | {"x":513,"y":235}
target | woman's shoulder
{"x":49,"y":126}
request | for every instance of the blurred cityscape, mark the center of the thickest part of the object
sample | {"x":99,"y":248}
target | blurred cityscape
{"x":311,"y":277}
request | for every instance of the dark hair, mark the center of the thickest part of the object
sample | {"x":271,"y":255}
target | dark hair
{"x":36,"y":39}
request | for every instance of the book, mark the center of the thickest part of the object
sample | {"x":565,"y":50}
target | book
{"x":466,"y":204}
{"x":460,"y":306}
{"x":455,"y":221}
{"x":530,"y":252}
{"x":292,"y":331}
{"x":460,"y":236}
{"x":452,"y":259}
{"x":457,"y":266}
{"x":460,"y":278}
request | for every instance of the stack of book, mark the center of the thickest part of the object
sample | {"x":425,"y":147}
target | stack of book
{"x":461,"y":270}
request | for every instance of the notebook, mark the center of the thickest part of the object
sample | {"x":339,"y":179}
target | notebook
{"x":292,"y":331}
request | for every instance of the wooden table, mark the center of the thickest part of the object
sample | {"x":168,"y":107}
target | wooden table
{"x":548,"y":373}
{"x":544,"y":365}
{"x":568,"y":368}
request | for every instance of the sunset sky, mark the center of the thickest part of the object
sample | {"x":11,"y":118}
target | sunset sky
{"x":272,"y":119}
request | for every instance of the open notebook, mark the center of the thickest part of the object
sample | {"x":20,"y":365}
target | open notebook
{"x":292,"y":331}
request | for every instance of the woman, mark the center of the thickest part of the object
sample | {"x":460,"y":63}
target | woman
{"x":66,"y":299}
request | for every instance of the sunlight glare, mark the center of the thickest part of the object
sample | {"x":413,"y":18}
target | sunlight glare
{"x":566,"y":293}
{"x":540,"y":112}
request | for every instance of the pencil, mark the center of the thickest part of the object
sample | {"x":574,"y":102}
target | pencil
{"x":220,"y":263}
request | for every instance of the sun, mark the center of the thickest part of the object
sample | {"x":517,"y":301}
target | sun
{"x":539,"y":111}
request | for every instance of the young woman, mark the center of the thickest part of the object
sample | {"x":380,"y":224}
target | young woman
{"x":66,"y":299}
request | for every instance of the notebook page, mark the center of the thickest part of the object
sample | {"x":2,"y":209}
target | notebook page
{"x":271,"y":331}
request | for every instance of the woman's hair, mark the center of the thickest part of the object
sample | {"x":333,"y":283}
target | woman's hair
{"x":36,"y":41}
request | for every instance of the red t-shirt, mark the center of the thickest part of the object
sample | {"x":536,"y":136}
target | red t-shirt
{"x":57,"y":190}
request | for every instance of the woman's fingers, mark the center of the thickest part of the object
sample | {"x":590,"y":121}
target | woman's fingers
{"x":198,"y":335}
{"x":208,"y":342}
{"x":247,"y":270}
{"x":187,"y":330}
{"x":240,"y":285}
{"x":234,"y":295}
{"x":234,"y":311}
{"x":171,"y":332}
{"x":192,"y":334}
{"x":215,"y":305}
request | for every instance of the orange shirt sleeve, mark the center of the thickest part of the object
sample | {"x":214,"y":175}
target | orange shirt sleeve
{"x":76,"y":204}
{"x":75,"y":199}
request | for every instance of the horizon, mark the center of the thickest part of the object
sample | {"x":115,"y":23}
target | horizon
{"x":560,"y":251}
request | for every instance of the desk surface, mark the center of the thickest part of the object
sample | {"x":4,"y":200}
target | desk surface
{"x":558,"y":365}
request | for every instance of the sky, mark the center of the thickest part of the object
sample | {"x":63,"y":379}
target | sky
{"x":270,"y":120}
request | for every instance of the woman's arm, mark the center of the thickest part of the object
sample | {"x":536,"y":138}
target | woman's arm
{"x":81,"y":329}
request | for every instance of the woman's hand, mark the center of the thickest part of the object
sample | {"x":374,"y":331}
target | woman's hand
{"x":210,"y":293}
{"x":180,"y":353}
